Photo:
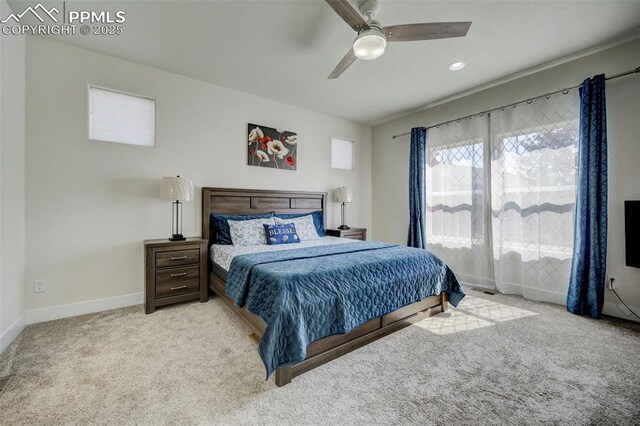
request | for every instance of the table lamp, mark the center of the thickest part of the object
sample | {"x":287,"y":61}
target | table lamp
{"x":176,"y":189}
{"x":343,"y":195}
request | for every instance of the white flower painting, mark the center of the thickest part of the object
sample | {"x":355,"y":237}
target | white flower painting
{"x":273,"y":148}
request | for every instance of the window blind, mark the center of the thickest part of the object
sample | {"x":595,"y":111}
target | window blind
{"x":120,"y":117}
{"x":341,"y":154}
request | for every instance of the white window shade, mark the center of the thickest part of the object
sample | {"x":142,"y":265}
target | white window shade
{"x":341,"y":154}
{"x":120,"y":117}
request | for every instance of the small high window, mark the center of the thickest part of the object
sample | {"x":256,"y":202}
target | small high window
{"x":121,"y":117}
{"x":341,"y":154}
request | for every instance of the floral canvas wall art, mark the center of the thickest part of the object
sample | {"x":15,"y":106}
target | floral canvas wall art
{"x":274,"y":148}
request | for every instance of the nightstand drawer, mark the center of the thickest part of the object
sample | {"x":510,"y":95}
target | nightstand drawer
{"x":351,"y":233}
{"x":174,"y":281}
{"x":358,"y":236}
{"x":183,"y":287}
{"x":177,"y":258}
{"x":171,"y":276}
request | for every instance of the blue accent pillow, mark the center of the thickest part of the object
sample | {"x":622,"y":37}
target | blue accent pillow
{"x":219,"y":224}
{"x":318,"y":220}
{"x":284,"y":233}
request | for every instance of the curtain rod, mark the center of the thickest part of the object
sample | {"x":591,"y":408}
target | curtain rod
{"x":565,"y":91}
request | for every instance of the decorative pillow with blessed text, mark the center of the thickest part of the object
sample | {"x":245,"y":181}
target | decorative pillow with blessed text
{"x":283,"y":233}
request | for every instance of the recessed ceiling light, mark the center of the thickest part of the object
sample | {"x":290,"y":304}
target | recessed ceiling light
{"x":456,"y":66}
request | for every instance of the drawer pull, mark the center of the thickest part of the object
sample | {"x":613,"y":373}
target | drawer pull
{"x":181,"y":274}
{"x":178,"y":288}
{"x":178,"y":258}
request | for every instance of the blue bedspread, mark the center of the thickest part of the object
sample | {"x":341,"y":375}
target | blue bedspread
{"x":310,"y":293}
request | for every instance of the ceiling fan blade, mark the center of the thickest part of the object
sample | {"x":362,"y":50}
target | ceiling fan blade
{"x":348,"y":59}
{"x":430,"y":31}
{"x":349,"y":14}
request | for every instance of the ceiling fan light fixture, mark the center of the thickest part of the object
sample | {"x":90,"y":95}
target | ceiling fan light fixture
{"x":456,"y":66}
{"x":369,"y":45}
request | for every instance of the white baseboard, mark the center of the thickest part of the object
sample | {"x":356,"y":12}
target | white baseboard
{"x":90,"y":306}
{"x":619,"y":311}
{"x":11,"y":333}
{"x":484,"y":283}
{"x":535,"y":294}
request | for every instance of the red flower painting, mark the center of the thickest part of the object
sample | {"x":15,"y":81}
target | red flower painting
{"x":273,"y":148}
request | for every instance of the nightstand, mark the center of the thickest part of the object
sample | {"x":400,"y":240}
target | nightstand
{"x":351,"y":233}
{"x":175,"y":271}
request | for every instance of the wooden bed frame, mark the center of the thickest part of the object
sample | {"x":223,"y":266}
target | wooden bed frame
{"x":250,"y":201}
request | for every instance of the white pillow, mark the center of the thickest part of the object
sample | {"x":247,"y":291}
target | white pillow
{"x":248,"y":232}
{"x":305,"y":228}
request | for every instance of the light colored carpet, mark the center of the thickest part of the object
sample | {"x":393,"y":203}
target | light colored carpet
{"x":496,"y":360}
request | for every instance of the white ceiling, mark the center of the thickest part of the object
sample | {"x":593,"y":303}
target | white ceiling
{"x":284,"y":50}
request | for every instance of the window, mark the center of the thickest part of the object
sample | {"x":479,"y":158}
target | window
{"x":455,"y":193}
{"x":341,"y":154}
{"x":535,"y":179}
{"x":501,"y":192}
{"x":120,"y":117}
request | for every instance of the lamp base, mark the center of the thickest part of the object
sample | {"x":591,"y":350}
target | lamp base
{"x":177,"y":237}
{"x":343,"y":227}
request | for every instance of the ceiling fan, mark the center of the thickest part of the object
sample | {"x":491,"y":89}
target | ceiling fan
{"x":372,"y":37}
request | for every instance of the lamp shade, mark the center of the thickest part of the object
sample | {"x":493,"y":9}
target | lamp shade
{"x":176,"y":188}
{"x":343,"y":195}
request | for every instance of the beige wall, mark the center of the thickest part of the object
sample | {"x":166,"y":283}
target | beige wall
{"x":390,"y":157}
{"x":90,"y":204}
{"x":623,"y":135}
{"x":12,"y":185}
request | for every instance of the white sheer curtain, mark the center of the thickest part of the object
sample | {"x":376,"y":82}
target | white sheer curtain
{"x":458,"y":210}
{"x":500,"y":197}
{"x":533,"y":163}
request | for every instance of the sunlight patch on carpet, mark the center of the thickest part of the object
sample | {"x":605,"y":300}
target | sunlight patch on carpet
{"x":493,"y":311}
{"x":472,"y":313}
{"x":450,"y":322}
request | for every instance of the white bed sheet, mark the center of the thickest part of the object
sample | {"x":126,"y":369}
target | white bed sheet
{"x":224,"y":254}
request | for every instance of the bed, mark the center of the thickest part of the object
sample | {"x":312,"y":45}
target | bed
{"x":257,"y":283}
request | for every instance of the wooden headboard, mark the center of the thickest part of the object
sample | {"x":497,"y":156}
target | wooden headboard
{"x":257,"y":201}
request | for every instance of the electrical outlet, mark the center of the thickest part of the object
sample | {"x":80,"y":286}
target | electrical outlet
{"x":39,"y":286}
{"x":612,"y":283}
